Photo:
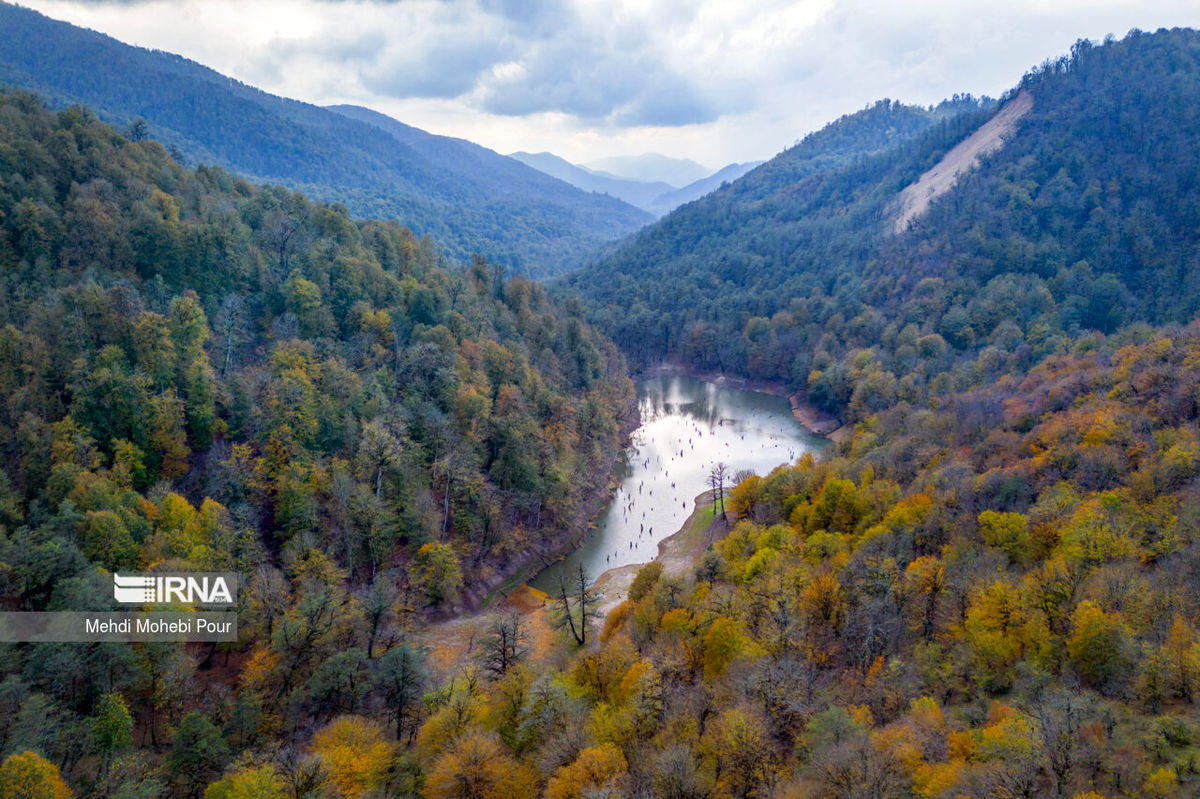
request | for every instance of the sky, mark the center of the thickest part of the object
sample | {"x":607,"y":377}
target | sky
{"x":716,"y":81}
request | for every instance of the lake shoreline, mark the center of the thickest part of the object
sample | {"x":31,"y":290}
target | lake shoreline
{"x":490,"y":591}
{"x":679,"y":553}
{"x":813,"y":419}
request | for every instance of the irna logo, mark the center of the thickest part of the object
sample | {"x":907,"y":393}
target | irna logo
{"x":175,"y":589}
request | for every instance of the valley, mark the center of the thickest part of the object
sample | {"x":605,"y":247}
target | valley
{"x":872,"y":472}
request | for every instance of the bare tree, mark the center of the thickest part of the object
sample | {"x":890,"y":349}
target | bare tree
{"x":505,"y":646}
{"x":576,"y":590}
{"x":1059,"y":715}
{"x":719,"y":480}
{"x":231,"y":326}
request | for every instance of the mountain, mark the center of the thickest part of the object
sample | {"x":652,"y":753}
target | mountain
{"x":468,"y":198}
{"x":651,"y":168}
{"x":1084,"y":217}
{"x":658,"y":198}
{"x":635,"y":192}
{"x":669,"y":201}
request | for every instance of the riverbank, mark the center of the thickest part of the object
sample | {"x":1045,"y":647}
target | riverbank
{"x":813,"y":419}
{"x":486,"y":591}
{"x":679,"y":553}
{"x":457,"y":642}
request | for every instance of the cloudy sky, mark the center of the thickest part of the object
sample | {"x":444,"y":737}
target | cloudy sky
{"x":712,"y":80}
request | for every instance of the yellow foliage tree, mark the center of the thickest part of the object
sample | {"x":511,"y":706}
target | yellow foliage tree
{"x":1003,"y":630}
{"x":595,"y":768}
{"x":722,"y":643}
{"x":1099,"y":645}
{"x":1008,"y":532}
{"x":478,"y":768}
{"x":262,"y":782}
{"x":1161,"y":782}
{"x":355,"y":753}
{"x":28,"y":775}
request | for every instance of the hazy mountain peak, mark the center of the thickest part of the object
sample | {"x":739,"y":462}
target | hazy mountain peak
{"x":651,"y":167}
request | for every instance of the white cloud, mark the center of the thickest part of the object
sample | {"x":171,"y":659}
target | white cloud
{"x":714,"y":81}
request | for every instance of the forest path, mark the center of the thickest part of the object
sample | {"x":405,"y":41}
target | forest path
{"x":915,"y":198}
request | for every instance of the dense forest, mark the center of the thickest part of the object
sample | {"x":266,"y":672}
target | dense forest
{"x":468,"y":198}
{"x":995,"y":596}
{"x":203,"y":374}
{"x":1087,"y":219}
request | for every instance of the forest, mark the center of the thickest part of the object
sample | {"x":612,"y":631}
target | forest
{"x":988,"y":589}
{"x":204,"y":375}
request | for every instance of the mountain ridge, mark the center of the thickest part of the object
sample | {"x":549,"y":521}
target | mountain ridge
{"x":1085,"y":219}
{"x":658,"y":198}
{"x":532,"y":226}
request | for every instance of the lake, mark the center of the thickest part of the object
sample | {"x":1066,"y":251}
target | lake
{"x":688,"y":426}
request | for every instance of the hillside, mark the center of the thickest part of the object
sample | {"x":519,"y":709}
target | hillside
{"x":1083,"y":219}
{"x":665,"y":203}
{"x":201,"y":373}
{"x":467,"y":198}
{"x":745,"y":248}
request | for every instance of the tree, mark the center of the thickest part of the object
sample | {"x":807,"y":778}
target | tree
{"x":596,"y":769}
{"x":1008,"y":532}
{"x":1099,"y":647}
{"x":718,"y":478}
{"x":355,"y":754}
{"x":400,"y":675}
{"x":436,"y":571}
{"x":197,"y":754}
{"x":112,"y":729}
{"x":576,"y":598}
{"x":476,"y":767}
{"x":138,"y":130}
{"x":258,"y":782}
{"x":505,"y":645}
{"x":339,"y":683}
{"x":27,"y":775}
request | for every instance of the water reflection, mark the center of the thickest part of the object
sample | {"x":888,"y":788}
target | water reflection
{"x":688,"y":426}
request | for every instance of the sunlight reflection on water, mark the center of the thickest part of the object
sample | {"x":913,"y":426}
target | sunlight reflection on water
{"x":688,"y":426}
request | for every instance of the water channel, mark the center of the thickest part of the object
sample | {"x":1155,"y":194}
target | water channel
{"x":688,"y":426}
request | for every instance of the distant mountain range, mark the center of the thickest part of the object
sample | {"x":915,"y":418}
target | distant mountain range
{"x":658,"y":197}
{"x":466,"y":197}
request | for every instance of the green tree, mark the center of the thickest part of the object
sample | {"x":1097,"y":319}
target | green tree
{"x":112,"y":729}
{"x":198,"y":753}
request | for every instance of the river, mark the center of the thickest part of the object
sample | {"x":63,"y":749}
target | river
{"x":687,"y":427}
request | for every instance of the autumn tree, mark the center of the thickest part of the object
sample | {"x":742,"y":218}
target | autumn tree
{"x":355,"y":754}
{"x":112,"y":729}
{"x":436,"y":571}
{"x":476,"y":767}
{"x":27,"y":775}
